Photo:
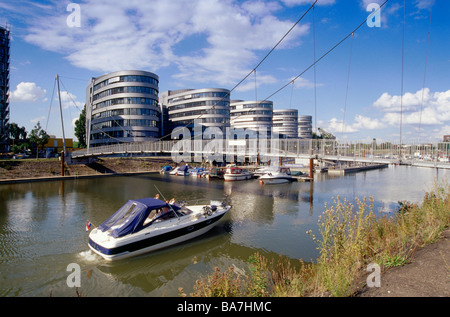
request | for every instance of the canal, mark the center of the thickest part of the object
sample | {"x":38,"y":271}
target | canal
{"x":42,"y":228}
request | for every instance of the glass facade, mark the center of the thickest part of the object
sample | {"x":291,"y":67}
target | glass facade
{"x":285,"y":123}
{"x":252,"y":115}
{"x":123,"y":107}
{"x":4,"y":89}
{"x":305,"y":127}
{"x":208,"y":107}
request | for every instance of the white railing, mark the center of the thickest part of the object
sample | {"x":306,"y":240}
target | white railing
{"x":429,"y":155}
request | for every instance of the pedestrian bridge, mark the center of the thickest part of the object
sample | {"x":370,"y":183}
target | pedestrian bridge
{"x":434,"y":155}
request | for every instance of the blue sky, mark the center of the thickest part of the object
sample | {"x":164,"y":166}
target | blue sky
{"x":215,"y":44}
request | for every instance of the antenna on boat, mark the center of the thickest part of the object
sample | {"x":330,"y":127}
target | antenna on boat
{"x":170,"y":206}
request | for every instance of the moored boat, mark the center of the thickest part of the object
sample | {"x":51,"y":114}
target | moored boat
{"x":197,"y":171}
{"x":234,"y":173}
{"x":166,"y":169}
{"x":145,"y":225}
{"x":183,"y":170}
{"x":277,"y":175}
{"x":216,"y":172}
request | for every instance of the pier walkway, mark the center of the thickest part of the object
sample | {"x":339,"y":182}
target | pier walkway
{"x":434,"y":155}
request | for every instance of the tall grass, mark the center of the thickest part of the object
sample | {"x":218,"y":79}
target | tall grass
{"x":351,"y":237}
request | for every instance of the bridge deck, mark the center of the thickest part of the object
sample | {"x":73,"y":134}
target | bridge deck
{"x":425,"y":155}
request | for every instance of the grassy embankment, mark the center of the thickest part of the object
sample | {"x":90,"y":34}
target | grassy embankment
{"x":351,"y":237}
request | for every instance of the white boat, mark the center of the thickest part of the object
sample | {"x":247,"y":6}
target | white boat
{"x":145,"y":225}
{"x":166,"y":169}
{"x":197,"y":171}
{"x":183,"y":170}
{"x":234,"y":173}
{"x":174,"y":171}
{"x":261,"y":171}
{"x":277,"y":175}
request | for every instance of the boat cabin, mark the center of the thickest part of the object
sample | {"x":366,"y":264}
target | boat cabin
{"x":139,"y":214}
{"x":285,"y":170}
{"x":234,"y":170}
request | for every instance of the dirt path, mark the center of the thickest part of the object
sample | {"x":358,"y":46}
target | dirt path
{"x":427,"y":274}
{"x":25,"y":169}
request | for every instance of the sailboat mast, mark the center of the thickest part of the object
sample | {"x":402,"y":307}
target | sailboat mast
{"x":60,"y":111}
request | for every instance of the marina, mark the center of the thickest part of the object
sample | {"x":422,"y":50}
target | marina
{"x":42,"y":227}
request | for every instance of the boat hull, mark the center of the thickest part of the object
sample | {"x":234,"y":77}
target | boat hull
{"x":270,"y":181}
{"x":241,"y":177}
{"x":149,"y":243}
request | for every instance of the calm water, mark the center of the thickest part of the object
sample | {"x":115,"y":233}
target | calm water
{"x":42,"y":228}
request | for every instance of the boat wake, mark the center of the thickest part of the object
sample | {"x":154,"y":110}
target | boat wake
{"x":89,"y":256}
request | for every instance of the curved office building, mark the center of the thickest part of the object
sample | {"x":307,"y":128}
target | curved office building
{"x":210,"y":107}
{"x":251,"y":115}
{"x":285,"y":123}
{"x":122,"y":107}
{"x":305,"y":127}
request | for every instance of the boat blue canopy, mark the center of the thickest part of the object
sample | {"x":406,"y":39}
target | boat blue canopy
{"x":131,"y":216}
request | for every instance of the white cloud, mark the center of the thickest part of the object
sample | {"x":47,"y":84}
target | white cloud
{"x":39,"y":119}
{"x":435,"y":108}
{"x":423,"y":4}
{"x":70,"y":100}
{"x":302,"y":83}
{"x":360,"y":123}
{"x":337,"y":126}
{"x":292,"y":3}
{"x":439,"y":133}
{"x":366,"y":123}
{"x":28,"y":92}
{"x":116,"y":35}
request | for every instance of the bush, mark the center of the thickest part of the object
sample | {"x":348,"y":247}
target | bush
{"x":351,"y":238}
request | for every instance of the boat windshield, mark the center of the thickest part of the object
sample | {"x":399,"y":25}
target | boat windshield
{"x":234,"y":171}
{"x":165,"y":213}
{"x":123,"y":216}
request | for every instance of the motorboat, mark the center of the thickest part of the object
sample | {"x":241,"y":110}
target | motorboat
{"x":166,"y":169}
{"x":183,"y":170}
{"x":145,"y":225}
{"x":261,"y":171}
{"x":277,"y":175}
{"x":174,"y":171}
{"x":216,"y":172}
{"x":234,"y":173}
{"x":197,"y":171}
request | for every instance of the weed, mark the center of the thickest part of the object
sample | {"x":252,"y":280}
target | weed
{"x":351,"y":237}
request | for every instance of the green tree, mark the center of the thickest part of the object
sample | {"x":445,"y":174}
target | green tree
{"x":14,"y":131}
{"x":39,"y":137}
{"x":17,"y":133}
{"x":18,"y":136}
{"x":80,"y":128}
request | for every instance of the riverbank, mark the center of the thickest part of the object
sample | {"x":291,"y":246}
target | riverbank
{"x":408,"y":251}
{"x":427,"y":274}
{"x":14,"y":171}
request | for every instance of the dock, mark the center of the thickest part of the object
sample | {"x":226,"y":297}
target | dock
{"x":304,"y":179}
{"x":355,"y":169}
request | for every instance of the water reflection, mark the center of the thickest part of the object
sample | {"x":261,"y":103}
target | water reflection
{"x":42,"y":227}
